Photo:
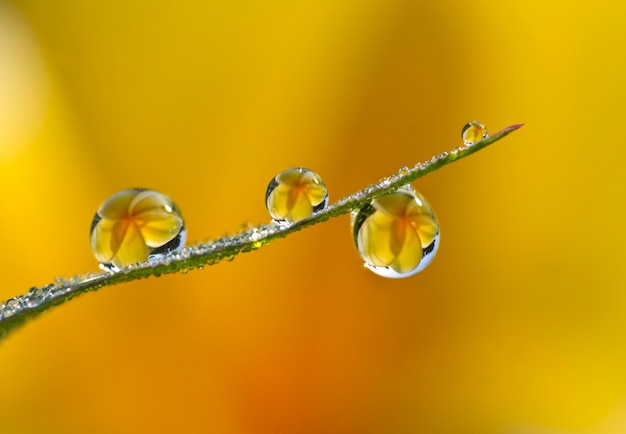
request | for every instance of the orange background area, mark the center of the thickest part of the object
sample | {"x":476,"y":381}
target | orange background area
{"x":517,"y":327}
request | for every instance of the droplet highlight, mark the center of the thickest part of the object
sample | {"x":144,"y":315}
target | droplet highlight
{"x":135,"y":225}
{"x":295,"y":194}
{"x":473,"y":132}
{"x":397,"y":235}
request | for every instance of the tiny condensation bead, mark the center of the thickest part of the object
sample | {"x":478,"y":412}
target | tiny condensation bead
{"x":473,"y":132}
{"x":397,"y":235}
{"x":295,"y":194}
{"x":134,"y":225}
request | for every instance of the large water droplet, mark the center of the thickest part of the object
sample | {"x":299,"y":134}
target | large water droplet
{"x":473,"y":132}
{"x":397,"y":234}
{"x":295,"y":194}
{"x":134,"y":225}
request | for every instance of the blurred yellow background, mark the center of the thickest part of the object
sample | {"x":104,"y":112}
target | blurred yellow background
{"x":517,"y":327}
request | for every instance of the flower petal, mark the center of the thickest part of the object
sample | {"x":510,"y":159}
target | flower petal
{"x":149,"y":200}
{"x":426,"y":228}
{"x":106,"y":239}
{"x":396,"y":204}
{"x":411,"y":251}
{"x":132,"y":248}
{"x":316,"y":194}
{"x":290,"y":203}
{"x":377,"y":239}
{"x":158,"y":227}
{"x":117,"y":206}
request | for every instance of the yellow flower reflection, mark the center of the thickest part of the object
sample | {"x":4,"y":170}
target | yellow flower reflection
{"x":397,"y":235}
{"x":134,"y":223}
{"x":295,"y":194}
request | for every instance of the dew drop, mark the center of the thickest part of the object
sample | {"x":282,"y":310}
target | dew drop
{"x":10,"y":307}
{"x":422,"y":166}
{"x":36,"y":296}
{"x":255,"y":237}
{"x":61,"y":282}
{"x":295,"y":194}
{"x":384,"y":182}
{"x":397,"y":235}
{"x":133,"y":226}
{"x":473,"y":132}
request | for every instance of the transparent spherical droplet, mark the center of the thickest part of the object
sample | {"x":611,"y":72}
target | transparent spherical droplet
{"x":473,"y":132}
{"x":397,"y":234}
{"x":36,"y":296}
{"x":10,"y":307}
{"x":134,"y":225}
{"x":295,"y":194}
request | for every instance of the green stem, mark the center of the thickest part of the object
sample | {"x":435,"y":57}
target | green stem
{"x":16,"y":311}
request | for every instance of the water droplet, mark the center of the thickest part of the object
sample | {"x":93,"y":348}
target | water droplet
{"x":10,"y":307}
{"x":133,"y":225}
{"x":61,"y":282}
{"x":255,"y":237}
{"x":295,"y":194}
{"x":473,"y":132}
{"x":384,"y":182}
{"x":422,"y":166}
{"x":36,"y":296}
{"x":397,"y":234}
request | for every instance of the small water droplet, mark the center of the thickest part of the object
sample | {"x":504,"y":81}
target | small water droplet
{"x":255,"y":237}
{"x":35,"y":296}
{"x":473,"y":132}
{"x":133,"y":225}
{"x":384,"y":183}
{"x":61,"y":282}
{"x":10,"y":307}
{"x":255,"y":234}
{"x":295,"y":194}
{"x":397,"y":234}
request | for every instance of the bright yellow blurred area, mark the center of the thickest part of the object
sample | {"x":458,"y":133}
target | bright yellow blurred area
{"x":517,"y":327}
